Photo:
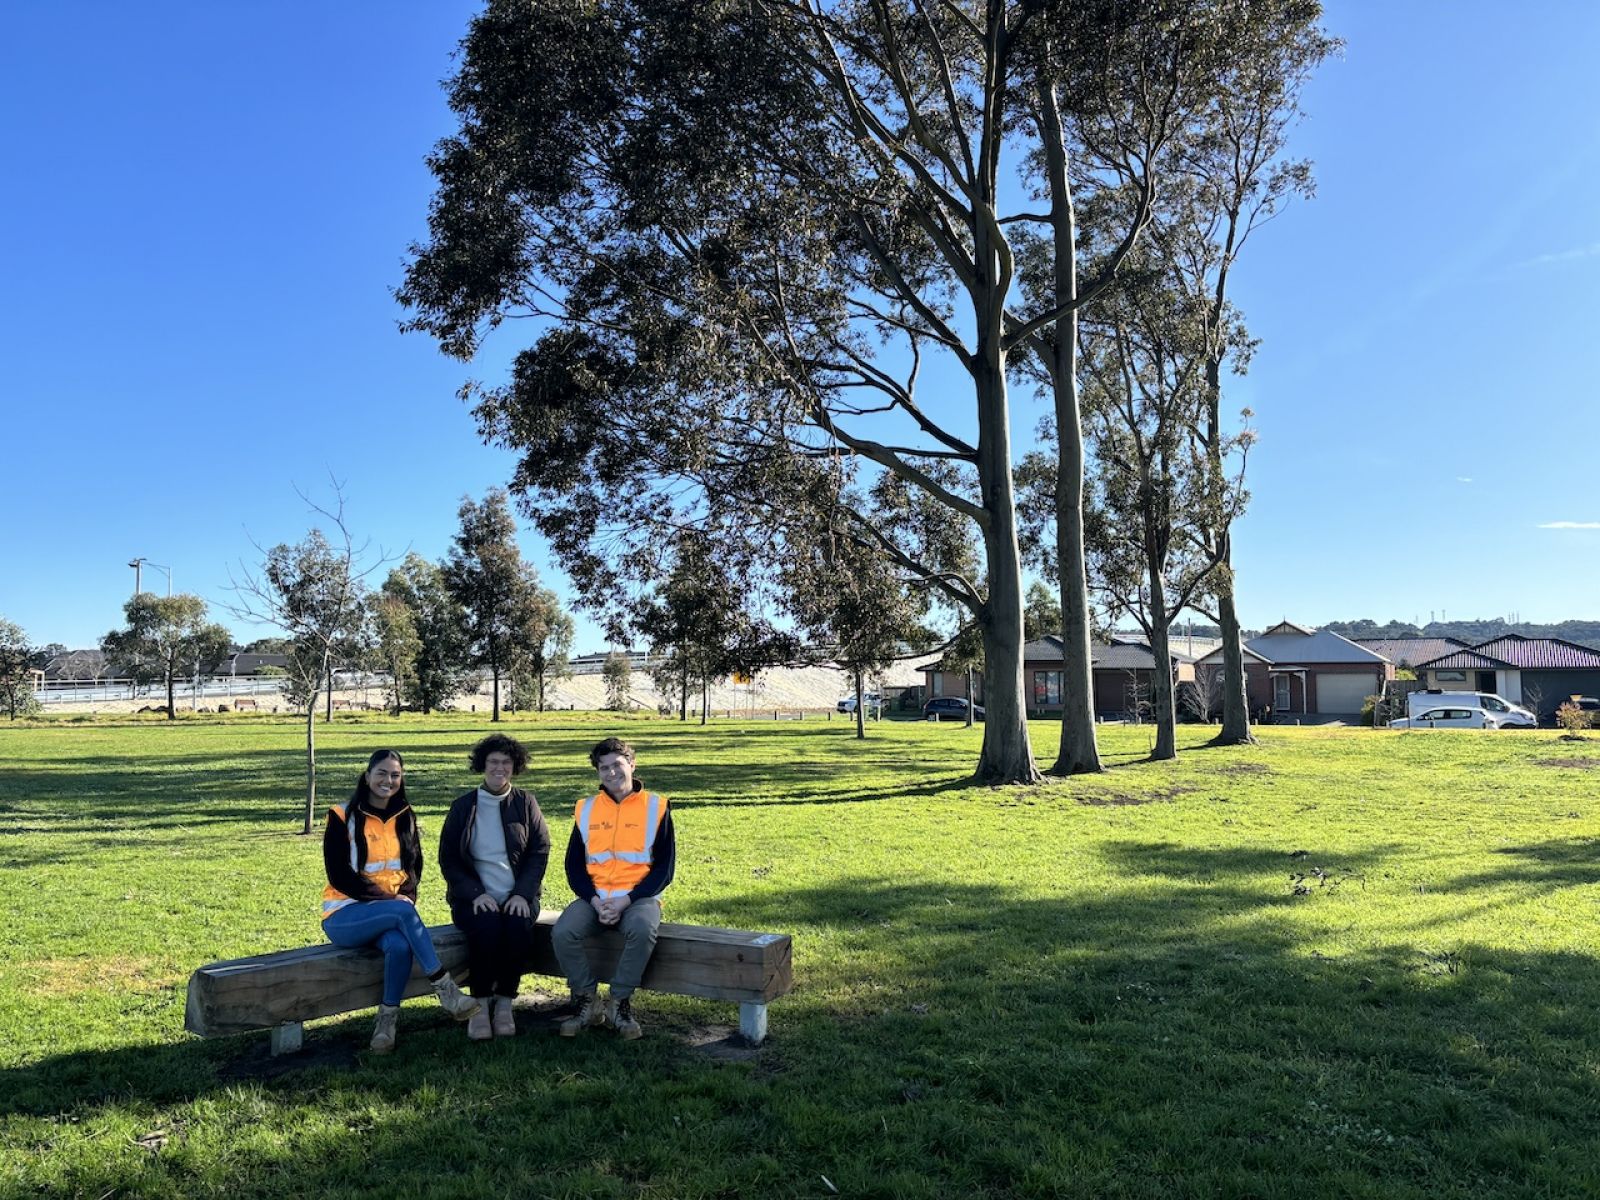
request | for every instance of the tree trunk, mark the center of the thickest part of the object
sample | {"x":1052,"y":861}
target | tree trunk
{"x":861,"y":716}
{"x":328,"y":675}
{"x":1162,"y":692}
{"x":705,"y":699}
{"x":1007,"y":754}
{"x":1235,"y":699}
{"x":683,"y":697}
{"x":311,"y":763}
{"x":494,"y":672}
{"x":970,"y":717}
{"x":1078,"y":753}
{"x":172,"y":707}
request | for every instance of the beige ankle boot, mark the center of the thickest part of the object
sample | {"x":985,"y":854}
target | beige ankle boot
{"x":505,"y":1023}
{"x":383,"y":1034}
{"x":456,"y":1002}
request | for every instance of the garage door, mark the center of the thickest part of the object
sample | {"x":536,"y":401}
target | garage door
{"x":1344,"y":693}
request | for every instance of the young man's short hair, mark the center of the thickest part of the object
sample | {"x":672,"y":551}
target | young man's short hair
{"x":611,"y":745}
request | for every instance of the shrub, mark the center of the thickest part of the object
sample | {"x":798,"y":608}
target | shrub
{"x":1572,"y":718}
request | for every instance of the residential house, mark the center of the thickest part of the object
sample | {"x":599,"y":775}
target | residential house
{"x":1539,"y":673}
{"x":1123,"y":676}
{"x":1407,"y":653}
{"x":1295,"y":669}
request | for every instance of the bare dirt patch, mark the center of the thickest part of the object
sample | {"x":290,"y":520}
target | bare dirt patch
{"x":1577,"y":762}
{"x":1245,"y":768}
{"x":1122,"y":799}
{"x":68,"y":977}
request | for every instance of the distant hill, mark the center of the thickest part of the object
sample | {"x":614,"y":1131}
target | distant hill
{"x":1585,"y":633}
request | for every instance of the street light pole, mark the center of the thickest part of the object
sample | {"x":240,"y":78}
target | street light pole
{"x":138,"y":574}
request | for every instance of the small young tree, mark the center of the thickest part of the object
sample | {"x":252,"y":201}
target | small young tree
{"x":16,"y":670}
{"x":440,"y":664}
{"x":395,"y":644}
{"x":312,"y":591}
{"x":166,"y":636}
{"x":485,"y":573}
{"x":541,"y":642}
{"x":617,"y":673}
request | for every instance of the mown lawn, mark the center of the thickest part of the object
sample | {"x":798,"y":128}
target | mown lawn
{"x":1340,"y":963}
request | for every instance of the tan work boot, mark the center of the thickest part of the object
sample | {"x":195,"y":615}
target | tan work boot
{"x":383,"y":1033}
{"x":590,"y":1012}
{"x":456,"y":1002}
{"x":505,"y":1023}
{"x":620,"y":1014}
{"x":478,"y":1027}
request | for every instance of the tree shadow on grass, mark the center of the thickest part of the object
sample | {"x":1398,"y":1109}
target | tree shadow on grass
{"x":1166,"y":1036}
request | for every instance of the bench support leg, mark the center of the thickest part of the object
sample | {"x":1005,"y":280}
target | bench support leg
{"x":753,"y":1022}
{"x":289,"y":1037}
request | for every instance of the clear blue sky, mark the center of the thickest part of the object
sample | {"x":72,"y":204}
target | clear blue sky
{"x":208,"y":204}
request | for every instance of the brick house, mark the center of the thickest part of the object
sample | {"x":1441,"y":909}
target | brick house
{"x":1294,"y":669}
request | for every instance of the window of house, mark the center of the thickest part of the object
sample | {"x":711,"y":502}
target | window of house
{"x":938,"y":683}
{"x":1450,"y":676}
{"x":1046,"y":688}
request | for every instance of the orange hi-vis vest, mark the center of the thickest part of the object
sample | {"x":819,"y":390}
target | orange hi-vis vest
{"x":617,"y":838}
{"x":382,"y":865}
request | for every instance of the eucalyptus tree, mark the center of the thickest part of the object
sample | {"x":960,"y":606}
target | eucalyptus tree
{"x":849,"y":596}
{"x":166,"y":638}
{"x":16,"y":669}
{"x":1143,"y":361}
{"x":485,"y":573}
{"x":750,"y":225}
{"x":394,"y":643}
{"x":440,"y":665}
{"x":541,"y":641}
{"x":1236,"y":174}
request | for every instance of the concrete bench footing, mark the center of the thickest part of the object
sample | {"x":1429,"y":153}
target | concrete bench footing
{"x":288,"y":1037}
{"x":753,"y":1021}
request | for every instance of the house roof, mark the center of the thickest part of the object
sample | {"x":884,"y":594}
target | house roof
{"x":1408,"y":652}
{"x":1293,"y":644}
{"x":1514,"y":650}
{"x":1113,"y":656}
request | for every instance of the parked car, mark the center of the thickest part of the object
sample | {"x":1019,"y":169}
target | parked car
{"x":1506,"y":714}
{"x":1451,"y":717}
{"x":951,"y":708}
{"x":872,"y":700}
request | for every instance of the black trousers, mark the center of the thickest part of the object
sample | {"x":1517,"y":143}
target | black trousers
{"x":497,"y":947}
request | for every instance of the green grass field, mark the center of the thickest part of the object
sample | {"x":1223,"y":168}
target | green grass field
{"x":1116,"y":986}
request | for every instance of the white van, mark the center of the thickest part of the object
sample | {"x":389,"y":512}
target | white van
{"x":1506,"y":715}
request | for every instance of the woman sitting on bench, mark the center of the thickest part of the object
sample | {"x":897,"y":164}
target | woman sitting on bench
{"x":373,"y":856}
{"x":492,"y":853}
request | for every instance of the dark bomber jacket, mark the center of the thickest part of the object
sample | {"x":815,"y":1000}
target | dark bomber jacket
{"x":527,"y":847}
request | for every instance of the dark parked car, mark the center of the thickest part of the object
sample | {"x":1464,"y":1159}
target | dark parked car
{"x":951,"y":708}
{"x":1589,"y":706}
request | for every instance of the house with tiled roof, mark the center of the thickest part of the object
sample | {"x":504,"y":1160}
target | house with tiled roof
{"x":1407,"y":653}
{"x":1124,"y":673}
{"x":1297,"y":669}
{"x":1539,"y":673}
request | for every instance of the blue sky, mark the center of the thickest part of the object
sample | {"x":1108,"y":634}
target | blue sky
{"x":209,"y":204}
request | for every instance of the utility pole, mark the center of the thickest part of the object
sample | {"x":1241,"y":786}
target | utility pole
{"x":138,"y":575}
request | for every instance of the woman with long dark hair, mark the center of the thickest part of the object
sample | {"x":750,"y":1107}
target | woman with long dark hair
{"x":372,"y":853}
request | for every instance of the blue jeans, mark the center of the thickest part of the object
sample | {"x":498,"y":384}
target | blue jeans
{"x":394,"y":927}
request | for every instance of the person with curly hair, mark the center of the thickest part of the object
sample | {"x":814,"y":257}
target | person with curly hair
{"x":372,"y":855}
{"x":493,"y":852}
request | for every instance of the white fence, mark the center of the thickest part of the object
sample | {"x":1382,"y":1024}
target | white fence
{"x":217,"y":688}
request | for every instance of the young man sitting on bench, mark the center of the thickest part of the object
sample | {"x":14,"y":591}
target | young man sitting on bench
{"x":620,"y":858}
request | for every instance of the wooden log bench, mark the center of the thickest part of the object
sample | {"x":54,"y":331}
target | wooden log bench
{"x":282,"y":991}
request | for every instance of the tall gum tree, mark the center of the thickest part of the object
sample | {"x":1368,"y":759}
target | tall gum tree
{"x":747,"y":228}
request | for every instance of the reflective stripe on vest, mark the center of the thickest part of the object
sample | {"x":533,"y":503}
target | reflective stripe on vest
{"x":617,"y":851}
{"x":383,"y":866}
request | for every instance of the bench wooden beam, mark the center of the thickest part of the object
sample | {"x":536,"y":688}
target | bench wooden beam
{"x":281,"y":991}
